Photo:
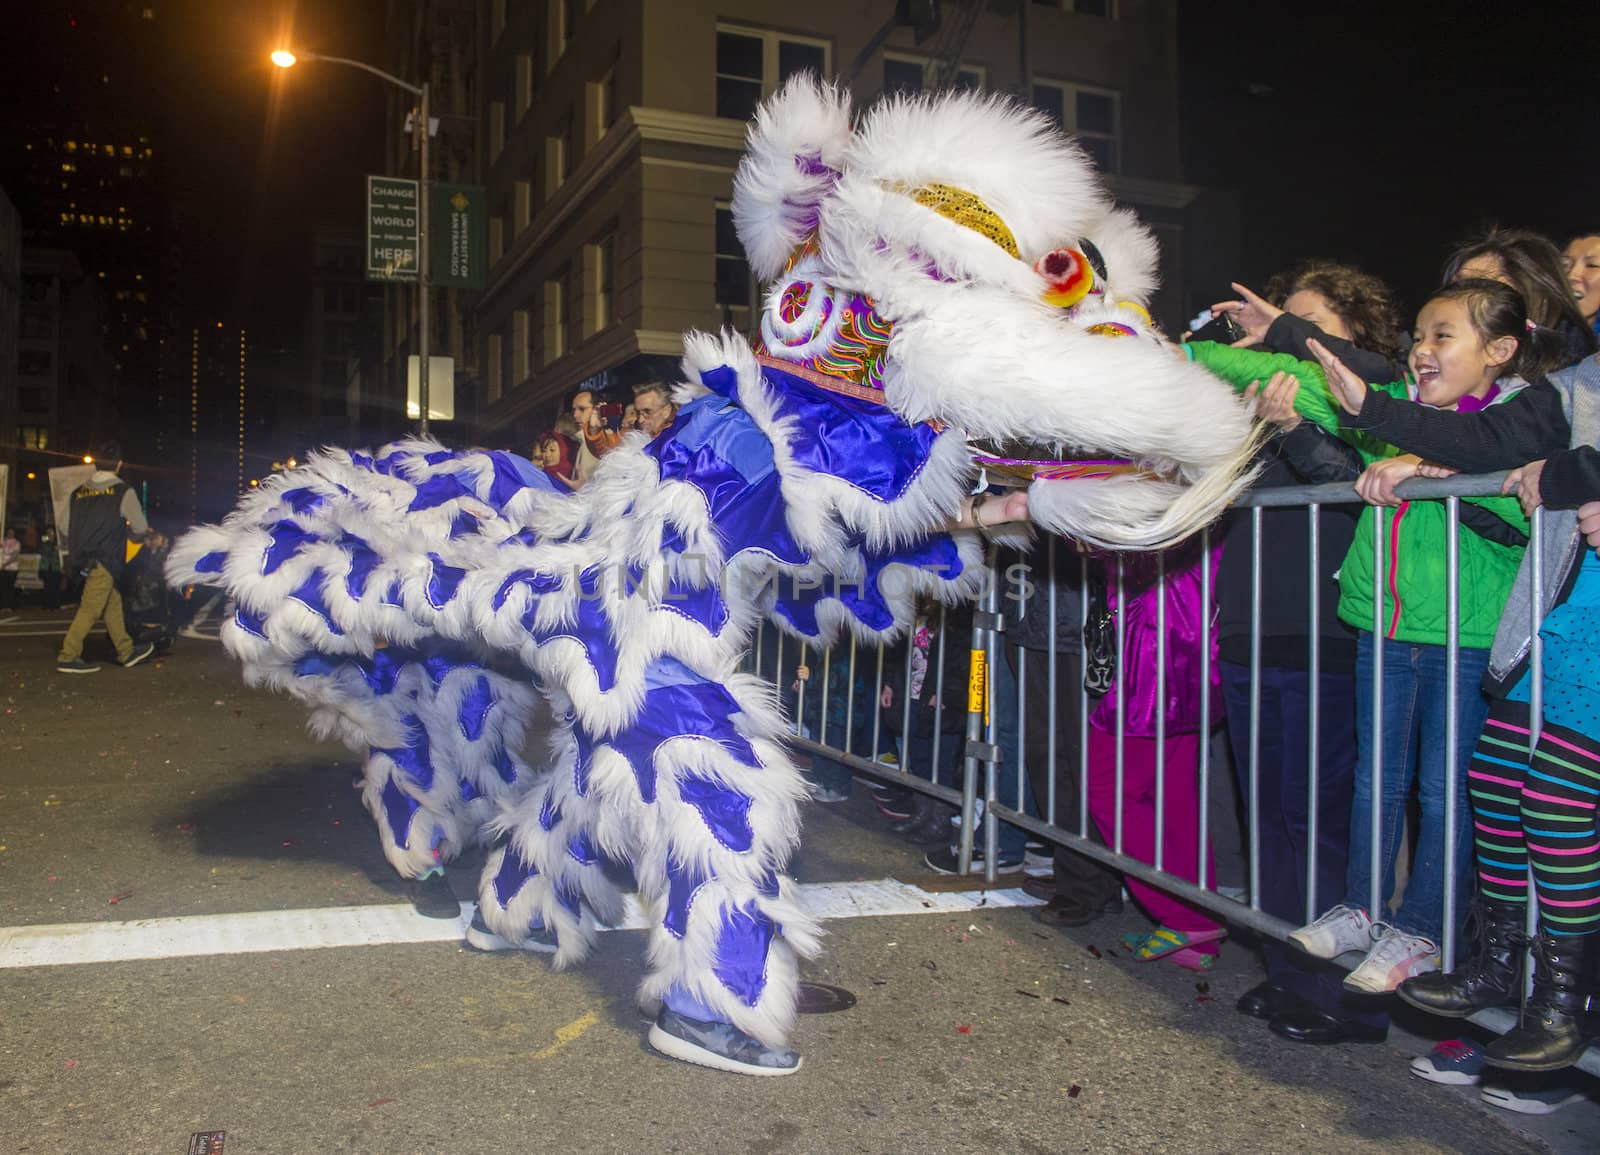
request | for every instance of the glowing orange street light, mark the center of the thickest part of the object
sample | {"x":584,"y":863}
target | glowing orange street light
{"x":283,"y":59}
{"x":88,"y":459}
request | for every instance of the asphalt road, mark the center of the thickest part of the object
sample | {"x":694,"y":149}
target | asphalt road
{"x":173,"y":790}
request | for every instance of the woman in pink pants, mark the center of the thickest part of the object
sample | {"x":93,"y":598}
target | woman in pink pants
{"x":1186,"y":935}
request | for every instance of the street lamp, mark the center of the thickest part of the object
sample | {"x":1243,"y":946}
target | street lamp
{"x":283,"y":58}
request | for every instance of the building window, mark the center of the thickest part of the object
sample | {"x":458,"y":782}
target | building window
{"x":909,"y":74}
{"x":34,"y":437}
{"x":1091,"y":115}
{"x":735,"y":283}
{"x":497,"y":129}
{"x":752,"y":64}
{"x":497,"y":239}
{"x":600,"y":107}
{"x":34,"y":363}
{"x":495,"y":376}
{"x":555,"y":329}
{"x":522,"y":206}
{"x":557,"y":158}
{"x":599,"y":281}
{"x":524,"y":86}
{"x":521,"y":345}
{"x":497,"y":20}
{"x":562,"y":17}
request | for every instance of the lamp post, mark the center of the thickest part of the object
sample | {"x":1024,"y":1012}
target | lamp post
{"x":285,"y":59}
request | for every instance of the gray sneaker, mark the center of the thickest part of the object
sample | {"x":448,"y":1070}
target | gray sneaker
{"x":77,"y":666}
{"x":140,"y":653}
{"x":480,"y":937}
{"x":720,"y":1046}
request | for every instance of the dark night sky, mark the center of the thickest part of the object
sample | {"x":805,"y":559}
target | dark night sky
{"x":1374,"y":132}
{"x":1382,"y":133}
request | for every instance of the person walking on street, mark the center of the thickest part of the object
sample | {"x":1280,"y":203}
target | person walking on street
{"x":10,"y":553}
{"x":105,"y":515}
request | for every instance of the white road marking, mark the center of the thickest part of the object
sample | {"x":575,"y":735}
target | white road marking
{"x":66,"y":944}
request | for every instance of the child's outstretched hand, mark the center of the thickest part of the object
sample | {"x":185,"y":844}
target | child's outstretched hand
{"x":1251,"y":313}
{"x":1525,"y":482}
{"x":1589,"y":522}
{"x":1376,"y":484}
{"x":1347,"y":388}
{"x":1275,"y":403}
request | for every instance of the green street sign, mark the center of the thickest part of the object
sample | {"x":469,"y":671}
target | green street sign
{"x":458,"y":246}
{"x":392,"y":220}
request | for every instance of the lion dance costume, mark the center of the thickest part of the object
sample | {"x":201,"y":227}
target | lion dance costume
{"x":948,"y":280}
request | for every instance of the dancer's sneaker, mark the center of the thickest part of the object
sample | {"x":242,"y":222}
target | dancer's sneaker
{"x":720,"y":1046}
{"x":947,"y":861}
{"x":480,"y":937}
{"x":432,"y":897}
{"x":1394,"y":958}
{"x":1342,"y":928}
{"x":1456,"y":1062}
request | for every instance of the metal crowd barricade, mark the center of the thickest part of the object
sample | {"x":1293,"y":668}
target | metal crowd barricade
{"x":982,"y":755}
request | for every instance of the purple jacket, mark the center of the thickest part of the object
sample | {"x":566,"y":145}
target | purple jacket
{"x":1184,"y":638}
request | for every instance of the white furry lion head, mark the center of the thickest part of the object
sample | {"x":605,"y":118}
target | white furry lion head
{"x":958,"y":252}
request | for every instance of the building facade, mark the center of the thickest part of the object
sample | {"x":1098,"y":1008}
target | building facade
{"x":610,"y":131}
{"x":10,"y":321}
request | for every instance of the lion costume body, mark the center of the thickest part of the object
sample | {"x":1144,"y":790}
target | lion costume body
{"x":945,"y":274}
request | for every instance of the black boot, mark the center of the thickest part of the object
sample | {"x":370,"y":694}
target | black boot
{"x":1490,"y":977}
{"x":1557,"y":1025}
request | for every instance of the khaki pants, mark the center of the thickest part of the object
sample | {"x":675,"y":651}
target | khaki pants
{"x":100,"y":596}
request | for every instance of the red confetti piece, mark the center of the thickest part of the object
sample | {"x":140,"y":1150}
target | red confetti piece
{"x":964,"y":1029}
{"x":382,"y":1102}
{"x":120,"y":895}
{"x":291,"y":842}
{"x":1204,"y":999}
{"x":1074,"y":1091}
{"x":186,"y":826}
{"x":69,"y":1064}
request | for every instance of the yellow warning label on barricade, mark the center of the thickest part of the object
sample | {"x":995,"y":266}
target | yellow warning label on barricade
{"x":978,"y":684}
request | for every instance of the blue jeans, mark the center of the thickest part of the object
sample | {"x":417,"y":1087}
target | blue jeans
{"x":1413,"y":731}
{"x":1284,"y":809}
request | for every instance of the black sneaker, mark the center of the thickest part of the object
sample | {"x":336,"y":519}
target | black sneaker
{"x":77,"y":666}
{"x":140,"y":653}
{"x":480,"y":937}
{"x":720,"y":1046}
{"x":946,"y":861}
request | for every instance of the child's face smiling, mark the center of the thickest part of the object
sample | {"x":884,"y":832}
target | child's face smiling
{"x":1449,"y":358}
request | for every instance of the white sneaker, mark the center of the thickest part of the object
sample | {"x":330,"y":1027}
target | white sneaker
{"x":1394,"y":957}
{"x":1342,"y":928}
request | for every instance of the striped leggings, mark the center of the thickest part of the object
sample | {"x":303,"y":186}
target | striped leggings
{"x":1540,"y":809}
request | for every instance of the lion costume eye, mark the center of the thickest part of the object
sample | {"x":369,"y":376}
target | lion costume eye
{"x":1067,"y":275}
{"x":802,"y":313}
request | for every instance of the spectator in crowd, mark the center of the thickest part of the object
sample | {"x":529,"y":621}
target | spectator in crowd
{"x":1185,"y":934}
{"x":597,"y":438}
{"x":653,"y":404}
{"x":1472,"y":349}
{"x":1043,"y":612}
{"x":10,"y":560}
{"x":1527,"y":262}
{"x":1582,"y":262}
{"x":630,"y":417}
{"x":836,"y":711}
{"x":555,"y":453}
{"x":1530,"y":805}
{"x":924,"y":704}
{"x":105,"y":515}
{"x":1300,"y":1001}
{"x":50,"y":570}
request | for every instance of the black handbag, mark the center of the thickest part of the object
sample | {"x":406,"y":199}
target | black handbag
{"x":1099,"y":641}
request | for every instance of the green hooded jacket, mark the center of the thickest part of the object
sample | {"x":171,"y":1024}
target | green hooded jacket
{"x":1414,"y":535}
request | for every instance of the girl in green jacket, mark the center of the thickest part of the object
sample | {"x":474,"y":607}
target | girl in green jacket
{"x":1470,"y":349}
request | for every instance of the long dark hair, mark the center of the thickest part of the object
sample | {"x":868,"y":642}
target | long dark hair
{"x":1532,"y":263}
{"x":1497,"y":310}
{"x":1363,"y":302}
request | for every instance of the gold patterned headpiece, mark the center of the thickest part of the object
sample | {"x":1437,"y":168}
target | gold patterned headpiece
{"x":966,"y":210}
